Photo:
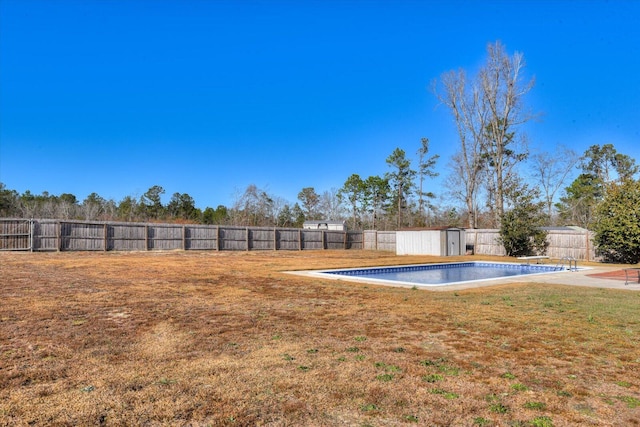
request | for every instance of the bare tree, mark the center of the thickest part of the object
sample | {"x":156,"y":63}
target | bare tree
{"x":551,"y":170}
{"x":254,"y":207}
{"x":110,"y":210}
{"x":330,"y":205}
{"x":67,"y":206}
{"x":464,"y":186}
{"x":502,"y":88}
{"x":470,"y":120}
{"x":487,"y":112}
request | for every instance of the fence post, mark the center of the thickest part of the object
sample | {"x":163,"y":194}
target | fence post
{"x":586,"y":236}
{"x":275,"y":239}
{"x":31,"y":230}
{"x":146,"y":237}
{"x":105,"y":237}
{"x":247,"y":231}
{"x":299,"y":239}
{"x":475,"y":242}
{"x":59,"y":235}
{"x":184,"y":237}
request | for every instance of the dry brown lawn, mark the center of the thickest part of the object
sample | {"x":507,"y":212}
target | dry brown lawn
{"x":226,"y":338}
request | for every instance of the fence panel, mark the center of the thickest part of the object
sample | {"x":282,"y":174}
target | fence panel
{"x":165,"y":237}
{"x":46,"y":235}
{"x":15,"y":235}
{"x":203,"y":237}
{"x":379,"y":240}
{"x":312,"y":239}
{"x":288,"y":239}
{"x":334,"y":240}
{"x":354,"y":240}
{"x":370,"y":240}
{"x":575,"y":244}
{"x":261,"y":239}
{"x":233,"y":239}
{"x":127,"y":237}
{"x":82,"y":237}
{"x":484,"y":242}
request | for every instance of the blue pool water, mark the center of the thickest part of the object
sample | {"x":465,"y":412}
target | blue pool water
{"x":443,"y":274}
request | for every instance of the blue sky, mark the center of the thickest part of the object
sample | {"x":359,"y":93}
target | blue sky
{"x":208,"y":97}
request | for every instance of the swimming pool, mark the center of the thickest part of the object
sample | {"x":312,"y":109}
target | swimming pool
{"x":439,"y":274}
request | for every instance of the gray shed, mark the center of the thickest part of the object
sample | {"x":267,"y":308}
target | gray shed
{"x":438,"y":242}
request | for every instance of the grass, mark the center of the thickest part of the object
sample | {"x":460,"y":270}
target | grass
{"x":444,"y":393}
{"x":498,"y":408}
{"x":432,"y":378}
{"x":519,"y":387}
{"x":541,"y":422}
{"x":535,"y":405}
{"x":384,"y":377}
{"x":225,"y":338}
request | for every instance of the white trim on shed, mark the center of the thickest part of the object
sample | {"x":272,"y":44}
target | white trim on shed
{"x":325,"y":225}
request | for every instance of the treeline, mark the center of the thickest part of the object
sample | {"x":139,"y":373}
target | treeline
{"x":397,"y":199}
{"x":378,"y":202}
{"x":255,"y":207}
{"x":493,"y":180}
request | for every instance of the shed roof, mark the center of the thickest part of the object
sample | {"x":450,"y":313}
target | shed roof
{"x":324,"y":222}
{"x":429,"y":228}
{"x":565,"y":228}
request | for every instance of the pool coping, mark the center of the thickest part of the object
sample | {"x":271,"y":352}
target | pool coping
{"x":333,"y":273}
{"x":330,"y":274}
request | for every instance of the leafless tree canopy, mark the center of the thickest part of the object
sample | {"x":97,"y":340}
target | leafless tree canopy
{"x":487,"y":111}
{"x":550,"y":171}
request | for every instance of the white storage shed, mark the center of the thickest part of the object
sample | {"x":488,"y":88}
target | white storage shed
{"x":438,"y":242}
{"x":325,"y":225}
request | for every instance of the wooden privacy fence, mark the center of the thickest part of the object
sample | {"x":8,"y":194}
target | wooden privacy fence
{"x":575,"y":243}
{"x":64,"y":235}
{"x":380,"y":240}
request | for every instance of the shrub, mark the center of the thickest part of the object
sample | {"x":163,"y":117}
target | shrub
{"x":520,"y":232}
{"x":617,"y":228}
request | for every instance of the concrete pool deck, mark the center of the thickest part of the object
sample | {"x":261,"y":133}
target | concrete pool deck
{"x":593,"y":277}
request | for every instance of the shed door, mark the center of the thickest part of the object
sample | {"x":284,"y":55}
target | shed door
{"x":453,"y":242}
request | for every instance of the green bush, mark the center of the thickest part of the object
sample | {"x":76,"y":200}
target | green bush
{"x":617,"y":225}
{"x":520,"y":232}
